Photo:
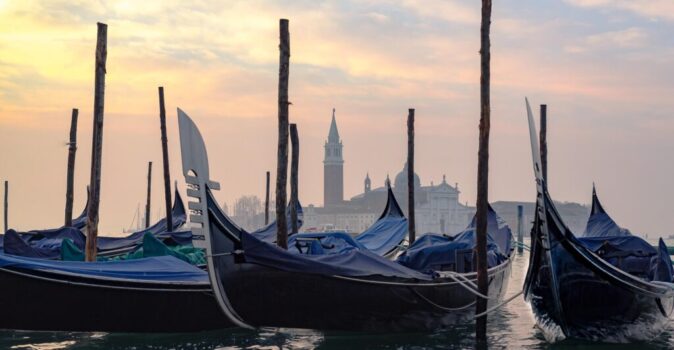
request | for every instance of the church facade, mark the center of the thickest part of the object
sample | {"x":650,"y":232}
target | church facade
{"x":437,"y":207}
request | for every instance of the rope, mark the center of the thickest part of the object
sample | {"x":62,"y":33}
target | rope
{"x":467,"y":287}
{"x":518,"y":244}
{"x":440,"y":306}
{"x":493,"y":308}
{"x":458,"y":275}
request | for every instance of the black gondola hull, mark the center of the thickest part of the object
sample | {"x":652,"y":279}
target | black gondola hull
{"x":270,"y":297}
{"x":41,"y":301}
{"x":591,"y":307}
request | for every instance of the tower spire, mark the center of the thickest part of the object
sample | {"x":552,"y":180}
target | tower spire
{"x":333,"y":167}
{"x":368,"y":182}
{"x":333,"y":136}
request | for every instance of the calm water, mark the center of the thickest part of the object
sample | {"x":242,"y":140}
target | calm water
{"x":511,"y":327}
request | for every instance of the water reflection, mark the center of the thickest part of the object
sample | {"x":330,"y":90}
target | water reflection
{"x":510,"y":327}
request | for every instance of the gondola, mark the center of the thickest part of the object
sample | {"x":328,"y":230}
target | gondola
{"x":388,"y":235}
{"x":162,"y":294}
{"x":78,"y":224}
{"x":268,"y":232}
{"x":385,"y":237}
{"x":47,"y":244}
{"x":258,"y":284}
{"x":600,"y":224}
{"x":109,"y":246}
{"x":575,"y":293}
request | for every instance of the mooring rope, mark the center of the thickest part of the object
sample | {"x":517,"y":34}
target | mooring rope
{"x":495,"y":307}
{"x":440,"y":306}
{"x":518,"y":244}
{"x":463,"y":284}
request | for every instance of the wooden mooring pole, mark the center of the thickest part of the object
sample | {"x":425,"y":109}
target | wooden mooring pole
{"x":412,"y":233}
{"x":72,"y":149}
{"x":282,"y":161}
{"x":520,"y":229}
{"x":97,"y":141}
{"x":165,"y":159}
{"x":266,"y":203}
{"x":6,"y":206}
{"x":294,"y":168}
{"x":149,"y":194}
{"x":543,"y":140}
{"x":483,"y":175}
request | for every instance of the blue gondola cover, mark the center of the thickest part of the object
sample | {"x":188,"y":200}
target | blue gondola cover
{"x":268,"y":233}
{"x":155,"y":269}
{"x":434,"y":252}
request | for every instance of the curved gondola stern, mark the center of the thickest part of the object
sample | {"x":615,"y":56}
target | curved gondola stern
{"x":597,"y":208}
{"x":392,"y":207}
{"x":196,"y":172}
{"x":541,"y":248}
{"x":178,"y":210}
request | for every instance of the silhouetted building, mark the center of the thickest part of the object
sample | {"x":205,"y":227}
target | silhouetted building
{"x":437,"y":207}
{"x":333,"y":168}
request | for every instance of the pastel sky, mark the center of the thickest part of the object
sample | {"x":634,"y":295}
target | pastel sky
{"x":604,"y":67}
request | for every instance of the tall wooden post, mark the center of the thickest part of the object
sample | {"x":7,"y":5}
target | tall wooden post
{"x":70,"y":177}
{"x":483,"y":174}
{"x":97,"y":142}
{"x":164,"y":151}
{"x":294,"y":168}
{"x":543,"y":140}
{"x":149,"y":194}
{"x":6,"y":206}
{"x":266,"y":203}
{"x":282,"y":161}
{"x":411,"y":221}
{"x":520,"y":229}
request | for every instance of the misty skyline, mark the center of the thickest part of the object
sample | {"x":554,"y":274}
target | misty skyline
{"x":603,"y":67}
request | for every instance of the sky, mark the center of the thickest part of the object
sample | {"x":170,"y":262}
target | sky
{"x":602,"y":66}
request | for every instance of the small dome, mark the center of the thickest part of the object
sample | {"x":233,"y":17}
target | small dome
{"x":401,"y":179}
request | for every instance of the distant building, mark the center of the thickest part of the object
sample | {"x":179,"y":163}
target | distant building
{"x":437,"y":207}
{"x":575,"y":215}
{"x":333,"y":168}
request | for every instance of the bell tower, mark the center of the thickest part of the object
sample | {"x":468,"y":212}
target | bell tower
{"x":368,"y":184}
{"x":333,"y":167}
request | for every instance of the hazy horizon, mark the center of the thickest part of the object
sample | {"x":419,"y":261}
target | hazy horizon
{"x":603,"y":68}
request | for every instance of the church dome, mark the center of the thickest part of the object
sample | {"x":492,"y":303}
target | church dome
{"x":401,"y":179}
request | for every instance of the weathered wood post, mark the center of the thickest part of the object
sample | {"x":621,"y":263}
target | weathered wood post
{"x":411,"y":221}
{"x":165,"y":159}
{"x":520,"y":229}
{"x":149,"y":194}
{"x":543,"y":140}
{"x":6,"y":206}
{"x":483,"y":175}
{"x":97,"y":141}
{"x":266,"y":203}
{"x":282,"y":161}
{"x":294,"y":168}
{"x":70,"y":177}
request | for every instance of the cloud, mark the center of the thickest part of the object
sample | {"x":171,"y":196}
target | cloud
{"x":370,"y":59}
{"x":652,"y":9}
{"x":630,"y":38}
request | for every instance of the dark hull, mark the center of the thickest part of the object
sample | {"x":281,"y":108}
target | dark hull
{"x":576,"y":294}
{"x":573,"y":292}
{"x":50,"y":302}
{"x":594,"y":309}
{"x":265,"y":296}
